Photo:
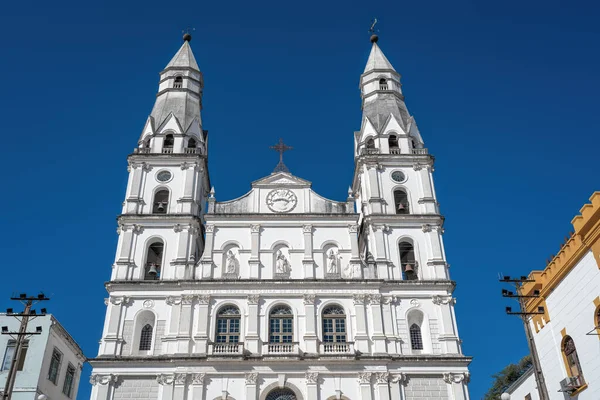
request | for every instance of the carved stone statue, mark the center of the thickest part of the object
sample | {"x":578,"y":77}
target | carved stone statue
{"x":282,"y":265}
{"x":232,"y":263}
{"x":332,"y":262}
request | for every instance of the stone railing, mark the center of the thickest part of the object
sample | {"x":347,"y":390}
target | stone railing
{"x":167,"y":150}
{"x":192,"y":150}
{"x":337,"y":348}
{"x":394,"y":150}
{"x":420,"y":151}
{"x":226,"y":348}
{"x":366,"y":151}
{"x":282,"y":348}
{"x":142,"y":150}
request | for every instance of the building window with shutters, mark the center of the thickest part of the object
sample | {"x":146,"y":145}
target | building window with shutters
{"x":55,"y":362}
{"x":9,"y":354}
{"x":69,"y":381}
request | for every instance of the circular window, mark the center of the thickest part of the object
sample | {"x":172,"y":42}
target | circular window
{"x":398,"y":176}
{"x":163,"y":176}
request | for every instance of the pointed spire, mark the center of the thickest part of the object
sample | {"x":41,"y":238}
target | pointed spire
{"x":377,"y":60}
{"x":184,"y":57}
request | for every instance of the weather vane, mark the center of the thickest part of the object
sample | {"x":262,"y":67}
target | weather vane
{"x":372,"y":29}
{"x":188,"y":29}
{"x":281,"y":148}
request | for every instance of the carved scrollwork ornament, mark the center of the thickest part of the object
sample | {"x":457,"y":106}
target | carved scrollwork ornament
{"x":399,"y":378}
{"x":382,"y":377}
{"x":198,"y":379}
{"x":165,"y":379}
{"x":353,"y":228}
{"x":309,"y":299}
{"x":97,"y":379}
{"x":450,"y":377}
{"x":307,"y":228}
{"x":187,"y":299}
{"x":146,"y":167}
{"x":311,"y":377}
{"x":438,"y":300}
{"x":439,"y":229}
{"x":389,"y":299}
{"x":417,"y":167}
{"x":180,"y":379}
{"x":426,"y":228}
{"x":177,"y":228}
{"x":173,"y":300}
{"x":253,"y":299}
{"x":359,"y":298}
{"x":364,"y":378}
{"x":255,"y":228}
{"x":204,"y":299}
{"x":415,"y":303}
{"x":119,"y":300}
{"x":375,"y":299}
{"x":148,"y":304}
{"x":137,"y":229}
{"x":210,"y":228}
{"x":251,"y":378}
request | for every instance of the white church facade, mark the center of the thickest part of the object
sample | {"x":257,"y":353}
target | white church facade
{"x":280,"y":294}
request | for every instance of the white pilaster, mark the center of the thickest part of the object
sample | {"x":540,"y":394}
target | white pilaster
{"x":308,"y":262}
{"x":361,"y":336}
{"x":252,"y":339}
{"x":310,"y":335}
{"x":254,"y":261}
{"x":201,"y":335}
{"x":378,"y":336}
{"x":251,"y":383}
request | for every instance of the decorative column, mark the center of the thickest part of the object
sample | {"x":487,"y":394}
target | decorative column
{"x":184,"y":241}
{"x":184,"y":333}
{"x":383,"y":387}
{"x":179,"y":389}
{"x":207,"y":257}
{"x":361,"y":338}
{"x":103,"y":386}
{"x":381,"y":258}
{"x":375,"y":199}
{"x":187,"y":203}
{"x":310,"y":335}
{"x":254,"y":261}
{"x":355,"y":268}
{"x":252,"y":338}
{"x":197,"y":392}
{"x":448,"y":337}
{"x":251,"y":382}
{"x":201,"y":335}
{"x":364,"y":382}
{"x":170,"y":339}
{"x":378,"y":337}
{"x":398,"y":383}
{"x":425,"y":180}
{"x":312,"y":382}
{"x":436,"y":257}
{"x":388,"y":323}
{"x":165,"y":390}
{"x":113,"y":336}
{"x":133,"y":201}
{"x":124,"y":264}
{"x":458,"y":384}
{"x":308,"y":262}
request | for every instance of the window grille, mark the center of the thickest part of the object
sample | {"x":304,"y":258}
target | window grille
{"x":401,"y":202}
{"x":281,"y":394}
{"x":228,"y":325}
{"x":54,"y":366}
{"x":146,"y":337}
{"x":383,"y":84}
{"x":178,"y":83}
{"x":416,"y":340}
{"x":281,"y":324}
{"x":334,"y":325}
{"x":69,"y":379}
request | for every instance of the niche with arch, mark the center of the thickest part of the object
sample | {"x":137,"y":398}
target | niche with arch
{"x":332,"y":261}
{"x":231,"y":262}
{"x":282,"y":267}
{"x":408,"y":263}
{"x":154,"y":260}
{"x":160,"y":205}
{"x":144,"y":333}
{"x":178,"y":82}
{"x":418,"y":332}
{"x":401,"y":204}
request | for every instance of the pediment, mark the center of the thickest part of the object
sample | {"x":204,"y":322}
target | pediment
{"x":281,"y":179}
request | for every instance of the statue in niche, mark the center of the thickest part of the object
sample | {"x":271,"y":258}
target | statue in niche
{"x":232,"y":263}
{"x":332,"y":262}
{"x":282,"y":265}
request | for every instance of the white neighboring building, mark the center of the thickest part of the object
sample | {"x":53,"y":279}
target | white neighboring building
{"x":51,"y":365}
{"x":524,"y":388}
{"x":280,"y":294}
{"x":567,"y":335}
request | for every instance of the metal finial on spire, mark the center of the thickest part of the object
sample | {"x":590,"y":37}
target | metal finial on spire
{"x":281,"y":148}
{"x":372,"y":30}
{"x":186,"y":34}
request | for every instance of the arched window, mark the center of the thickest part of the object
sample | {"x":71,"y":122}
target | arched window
{"x":146,"y":337}
{"x":393,"y":144}
{"x":408,"y":263}
{"x":191,"y":143}
{"x":281,"y":394}
{"x":168,"y":144}
{"x":161,"y":202}
{"x":154,"y":261}
{"x":401,"y":202}
{"x":416,"y":340}
{"x":383,"y":84}
{"x":334,"y":325}
{"x":281,"y":324}
{"x":572,"y":359}
{"x":178,"y":82}
{"x":228,"y":325}
{"x":370,"y":143}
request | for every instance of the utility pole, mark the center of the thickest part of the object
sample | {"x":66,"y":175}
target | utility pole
{"x":20,"y":336}
{"x":524,"y":315}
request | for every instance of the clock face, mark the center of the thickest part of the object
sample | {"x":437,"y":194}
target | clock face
{"x":163,"y":176}
{"x":398,"y":176}
{"x":281,"y":200}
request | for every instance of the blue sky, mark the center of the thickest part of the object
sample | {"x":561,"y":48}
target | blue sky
{"x":505,"y":95}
